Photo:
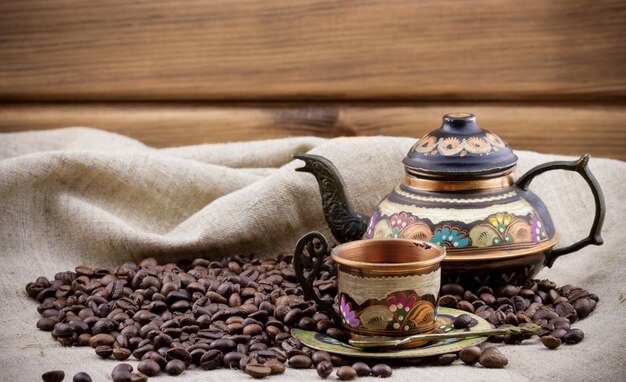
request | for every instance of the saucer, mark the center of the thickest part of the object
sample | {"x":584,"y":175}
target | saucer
{"x":445,"y":318}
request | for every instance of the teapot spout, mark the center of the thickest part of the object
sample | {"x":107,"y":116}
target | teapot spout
{"x":345,"y":224}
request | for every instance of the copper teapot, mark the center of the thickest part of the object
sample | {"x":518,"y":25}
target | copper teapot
{"x":459,"y":192}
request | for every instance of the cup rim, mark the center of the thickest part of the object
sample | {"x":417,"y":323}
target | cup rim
{"x":405,"y":266}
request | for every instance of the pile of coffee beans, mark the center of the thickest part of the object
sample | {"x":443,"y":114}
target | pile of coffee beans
{"x":554,"y":309}
{"x":237,"y":313}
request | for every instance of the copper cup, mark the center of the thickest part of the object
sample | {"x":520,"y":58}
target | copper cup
{"x":386,"y":287}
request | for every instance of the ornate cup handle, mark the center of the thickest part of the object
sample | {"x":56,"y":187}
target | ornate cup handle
{"x":580,"y":166}
{"x":308,"y":261}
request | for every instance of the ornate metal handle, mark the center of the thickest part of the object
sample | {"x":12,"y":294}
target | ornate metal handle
{"x":580,"y":166}
{"x":308,"y":266}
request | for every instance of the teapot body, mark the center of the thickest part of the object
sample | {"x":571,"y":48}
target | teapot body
{"x":482,"y":230}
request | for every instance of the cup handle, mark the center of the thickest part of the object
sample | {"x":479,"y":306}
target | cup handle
{"x":581,"y":167}
{"x":308,"y":261}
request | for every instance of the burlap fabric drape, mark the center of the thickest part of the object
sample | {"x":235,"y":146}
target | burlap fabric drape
{"x":74,"y":196}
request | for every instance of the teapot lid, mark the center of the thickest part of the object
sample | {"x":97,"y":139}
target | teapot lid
{"x":460,"y":148}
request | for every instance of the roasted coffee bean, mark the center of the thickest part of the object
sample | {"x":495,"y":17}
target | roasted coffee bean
{"x":149,"y":367}
{"x":465,"y":306}
{"x":493,"y":359}
{"x":462,"y":321}
{"x":212,"y":359}
{"x":178,"y":353}
{"x":573,"y":336}
{"x":362,"y":369}
{"x":62,"y":330}
{"x":275,"y":366}
{"x":104,"y":351}
{"x":454,"y":289}
{"x":346,"y":373}
{"x":53,"y":376}
{"x":300,"y":362}
{"x":319,"y":356}
{"x":46,"y":324}
{"x":138,"y":377}
{"x":324,"y":369}
{"x":558,"y":333}
{"x":232,"y":359}
{"x":224,"y":344}
{"x":175,"y":367}
{"x":445,"y":359}
{"x":258,"y":371}
{"x":382,"y":370}
{"x":338,"y":334}
{"x":122,"y":373}
{"x":81,"y":377}
{"x":551,"y":342}
{"x":102,"y":339}
{"x":121,"y":354}
{"x":469,"y":355}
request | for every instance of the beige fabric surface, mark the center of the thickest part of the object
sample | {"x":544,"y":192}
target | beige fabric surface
{"x":78,"y":195}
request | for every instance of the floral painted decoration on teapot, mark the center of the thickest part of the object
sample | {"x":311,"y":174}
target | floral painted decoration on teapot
{"x":497,"y":229}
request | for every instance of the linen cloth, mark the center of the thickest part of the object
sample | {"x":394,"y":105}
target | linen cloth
{"x":83,"y":196}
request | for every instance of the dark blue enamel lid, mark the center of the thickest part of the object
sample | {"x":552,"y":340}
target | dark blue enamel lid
{"x":460,"y":149}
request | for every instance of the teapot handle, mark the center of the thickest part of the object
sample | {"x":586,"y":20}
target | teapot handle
{"x":580,"y":166}
{"x":308,"y":261}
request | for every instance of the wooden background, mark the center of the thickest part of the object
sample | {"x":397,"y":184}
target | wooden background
{"x":548,"y":76}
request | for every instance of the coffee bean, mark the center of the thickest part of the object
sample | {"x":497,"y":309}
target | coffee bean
{"x":362,"y":369}
{"x":469,"y":355}
{"x":454,"y":289}
{"x":62,"y":330}
{"x":346,"y":373}
{"x":175,"y":367}
{"x":102,"y":339}
{"x":46,"y":324}
{"x":212,"y":359}
{"x":462,"y":321}
{"x":81,"y":377}
{"x":465,"y":306}
{"x":573,"y":336}
{"x":258,"y":371}
{"x":300,"y":362}
{"x":121,"y":354}
{"x":381,"y":370}
{"x":445,"y":359}
{"x":551,"y":342}
{"x":149,"y":367}
{"x":138,"y":377}
{"x":104,"y":351}
{"x":232,"y":359}
{"x":178,"y":353}
{"x":324,"y":369}
{"x":275,"y":366}
{"x":338,"y":334}
{"x":122,"y":373}
{"x":493,"y":359}
{"x":319,"y":356}
{"x":224,"y":344}
{"x":252,"y":329}
{"x":53,"y":376}
{"x":558,"y":333}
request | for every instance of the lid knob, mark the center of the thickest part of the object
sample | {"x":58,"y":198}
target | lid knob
{"x":460,"y":123}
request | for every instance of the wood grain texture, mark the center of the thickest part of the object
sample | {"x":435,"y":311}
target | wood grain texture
{"x":439,"y":50}
{"x":564,"y":129}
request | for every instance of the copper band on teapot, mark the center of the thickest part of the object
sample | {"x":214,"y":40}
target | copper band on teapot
{"x":458,"y":185}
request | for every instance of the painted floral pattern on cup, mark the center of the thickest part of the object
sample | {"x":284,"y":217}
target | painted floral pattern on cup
{"x":348,"y":315}
{"x":399,"y":311}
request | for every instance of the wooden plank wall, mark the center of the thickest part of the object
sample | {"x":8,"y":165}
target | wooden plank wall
{"x":549,"y":76}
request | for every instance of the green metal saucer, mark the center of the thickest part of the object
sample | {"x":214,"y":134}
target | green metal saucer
{"x":445,"y":317}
